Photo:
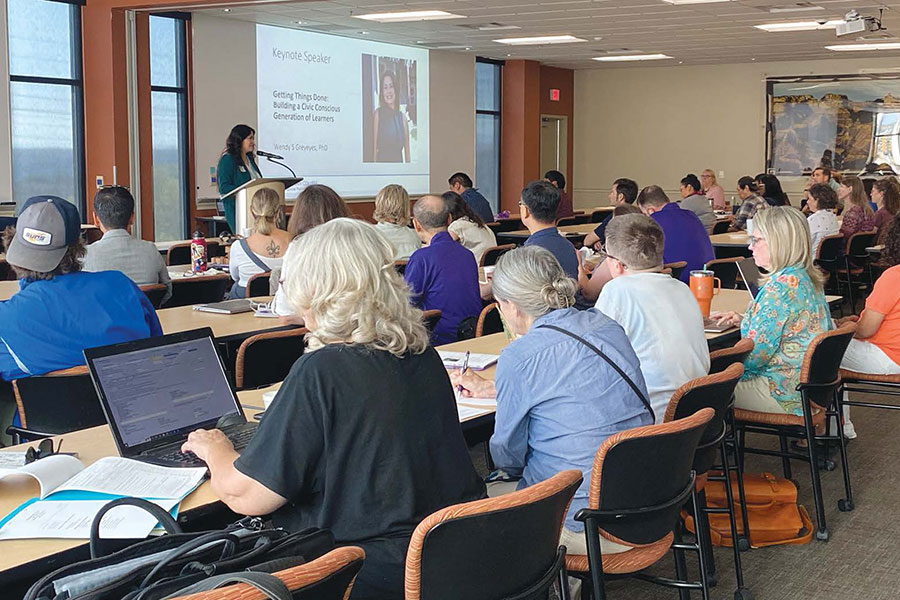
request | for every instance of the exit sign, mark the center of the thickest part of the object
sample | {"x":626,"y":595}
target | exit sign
{"x":554,"y":95}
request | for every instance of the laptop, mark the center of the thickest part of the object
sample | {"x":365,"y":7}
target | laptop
{"x":155,"y":391}
{"x":226,"y":307}
{"x":751,"y":276}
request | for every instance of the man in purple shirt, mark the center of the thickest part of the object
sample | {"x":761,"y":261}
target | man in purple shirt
{"x":443,"y":274}
{"x":685,"y":236}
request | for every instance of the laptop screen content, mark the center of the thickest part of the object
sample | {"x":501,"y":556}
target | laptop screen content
{"x":156,"y":392}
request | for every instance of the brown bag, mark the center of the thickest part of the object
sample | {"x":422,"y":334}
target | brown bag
{"x":775,"y":518}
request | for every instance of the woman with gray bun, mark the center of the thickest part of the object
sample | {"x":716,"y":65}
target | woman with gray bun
{"x":557,"y":397}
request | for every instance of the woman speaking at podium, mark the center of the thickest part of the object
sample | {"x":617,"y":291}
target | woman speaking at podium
{"x":236,"y":167}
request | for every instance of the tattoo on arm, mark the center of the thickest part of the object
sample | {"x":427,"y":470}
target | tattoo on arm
{"x":273,"y":249}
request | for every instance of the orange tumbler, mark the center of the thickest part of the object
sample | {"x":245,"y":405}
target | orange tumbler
{"x":705,"y":285}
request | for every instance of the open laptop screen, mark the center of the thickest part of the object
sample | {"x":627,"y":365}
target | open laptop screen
{"x":751,"y":275}
{"x":164,"y":390}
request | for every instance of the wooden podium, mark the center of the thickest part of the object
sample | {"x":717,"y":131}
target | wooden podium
{"x":243,"y":194}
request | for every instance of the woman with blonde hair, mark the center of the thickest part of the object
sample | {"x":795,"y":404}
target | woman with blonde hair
{"x":712,"y":189}
{"x":363,"y":437}
{"x":263,"y":250}
{"x":858,"y":215}
{"x":787,"y":313}
{"x":557,"y":398}
{"x":392,"y":220}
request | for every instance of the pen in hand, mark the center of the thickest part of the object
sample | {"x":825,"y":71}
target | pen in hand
{"x":465,"y":366}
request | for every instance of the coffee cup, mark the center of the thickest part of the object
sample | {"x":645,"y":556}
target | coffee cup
{"x":704,"y":285}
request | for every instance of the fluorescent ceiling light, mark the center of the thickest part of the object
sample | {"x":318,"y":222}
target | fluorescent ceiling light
{"x":540,"y":39}
{"x":694,"y":1}
{"x":409,"y":15}
{"x":631,"y":57}
{"x":861,"y":47}
{"x":800,"y":25}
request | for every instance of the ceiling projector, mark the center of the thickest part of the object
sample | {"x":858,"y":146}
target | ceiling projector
{"x":854,"y":23}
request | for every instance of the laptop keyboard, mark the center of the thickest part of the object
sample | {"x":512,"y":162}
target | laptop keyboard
{"x":240,"y":436}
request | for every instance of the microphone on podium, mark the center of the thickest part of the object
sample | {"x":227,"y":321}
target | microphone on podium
{"x":269,"y":155}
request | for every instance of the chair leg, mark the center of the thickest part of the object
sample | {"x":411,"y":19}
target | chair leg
{"x":702,"y":526}
{"x":845,"y":504}
{"x":681,"y":572}
{"x":732,"y":518}
{"x":595,"y":558}
{"x":785,"y":460}
{"x":821,"y":527}
{"x":563,"y":580}
{"x":701,"y":548}
{"x":739,"y":469}
{"x":850,"y":285}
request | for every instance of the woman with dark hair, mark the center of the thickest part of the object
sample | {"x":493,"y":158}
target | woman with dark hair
{"x":316,"y":204}
{"x":858,"y":215}
{"x":391,"y":131}
{"x":466,"y":227}
{"x":236,"y":167}
{"x":771,"y":190}
{"x":751,"y":202}
{"x":886,"y":195}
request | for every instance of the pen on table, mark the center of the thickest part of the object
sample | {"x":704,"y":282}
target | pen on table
{"x":459,"y":388}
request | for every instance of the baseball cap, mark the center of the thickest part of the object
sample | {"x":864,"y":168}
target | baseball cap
{"x":46,"y":227}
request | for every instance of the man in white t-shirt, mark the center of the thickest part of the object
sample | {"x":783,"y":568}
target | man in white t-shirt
{"x":659,"y":313}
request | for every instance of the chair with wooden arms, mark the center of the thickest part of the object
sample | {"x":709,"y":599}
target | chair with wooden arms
{"x":91,"y":235}
{"x":566,"y":221}
{"x":857,"y":261}
{"x":490,"y":256}
{"x":724,"y":358}
{"x":504,"y":547}
{"x":640,"y":480}
{"x":597,"y":216}
{"x":675,"y":268}
{"x":55,"y":403}
{"x":726,"y":270}
{"x":829,"y":259}
{"x":868,"y":383}
{"x":329,"y":577}
{"x":155,"y":292}
{"x":267,"y":358}
{"x":489,"y":320}
{"x":199,"y":289}
{"x":257,"y":285}
{"x":715,"y":392}
{"x":180,"y":253}
{"x":820,"y":384}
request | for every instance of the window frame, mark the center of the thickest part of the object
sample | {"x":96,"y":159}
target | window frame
{"x":181,"y":94}
{"x":77,"y":86}
{"x":493,"y":113}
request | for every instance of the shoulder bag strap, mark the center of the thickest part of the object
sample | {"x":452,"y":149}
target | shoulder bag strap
{"x":622,"y":373}
{"x":270,"y":585}
{"x":164,"y":518}
{"x":252,"y":256}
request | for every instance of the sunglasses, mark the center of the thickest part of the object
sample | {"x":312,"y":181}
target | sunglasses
{"x":44,"y":449}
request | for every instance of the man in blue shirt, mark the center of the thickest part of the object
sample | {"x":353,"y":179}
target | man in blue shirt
{"x":538,"y":211}
{"x":443,"y":274}
{"x":462,"y":185}
{"x":685,"y":236}
{"x":60,"y":310}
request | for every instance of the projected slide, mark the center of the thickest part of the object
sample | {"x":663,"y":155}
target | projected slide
{"x":347,"y":113}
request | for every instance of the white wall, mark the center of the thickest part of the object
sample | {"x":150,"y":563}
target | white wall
{"x":5,"y":141}
{"x":224,"y":62}
{"x":655,"y":124}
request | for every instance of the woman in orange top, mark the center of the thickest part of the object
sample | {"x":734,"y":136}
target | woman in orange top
{"x":876,"y":346}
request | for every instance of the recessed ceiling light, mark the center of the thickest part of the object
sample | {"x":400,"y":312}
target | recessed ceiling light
{"x":631,"y":57}
{"x":694,"y":1}
{"x":862,"y":47}
{"x":226,"y":10}
{"x":540,"y":39}
{"x":496,"y":27}
{"x":363,"y":32}
{"x":409,"y":15}
{"x":800,"y":25}
{"x":299,"y":22}
{"x":800,"y":7}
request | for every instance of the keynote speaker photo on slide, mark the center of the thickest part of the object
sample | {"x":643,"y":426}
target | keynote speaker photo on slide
{"x":236,"y":167}
{"x":391,"y":129}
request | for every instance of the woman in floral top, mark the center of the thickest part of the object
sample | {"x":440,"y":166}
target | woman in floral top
{"x":788,"y":312}
{"x":858,"y":216}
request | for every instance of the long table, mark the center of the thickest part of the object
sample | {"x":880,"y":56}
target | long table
{"x":225,"y":328}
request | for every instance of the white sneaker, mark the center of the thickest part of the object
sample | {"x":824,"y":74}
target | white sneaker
{"x":849,"y":430}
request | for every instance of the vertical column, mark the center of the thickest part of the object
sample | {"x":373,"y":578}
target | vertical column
{"x":520,"y":130}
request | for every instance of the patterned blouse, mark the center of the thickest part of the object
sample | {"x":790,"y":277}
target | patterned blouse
{"x":786,"y":315}
{"x":855,"y":220}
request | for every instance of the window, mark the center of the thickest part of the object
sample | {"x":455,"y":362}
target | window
{"x":45,"y":94}
{"x":487,"y":129}
{"x":168,"y":108}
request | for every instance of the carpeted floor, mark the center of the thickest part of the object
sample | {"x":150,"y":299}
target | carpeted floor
{"x":861,"y":561}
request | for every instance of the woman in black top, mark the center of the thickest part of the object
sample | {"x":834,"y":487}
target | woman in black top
{"x":391,"y":132}
{"x":363,"y":437}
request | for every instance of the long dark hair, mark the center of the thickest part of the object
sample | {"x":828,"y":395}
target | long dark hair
{"x":773,"y":189}
{"x":236,"y":138}
{"x":460,"y":209}
{"x":892,"y":242}
{"x":381,"y":101}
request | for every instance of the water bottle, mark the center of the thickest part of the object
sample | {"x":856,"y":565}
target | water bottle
{"x":198,"y":253}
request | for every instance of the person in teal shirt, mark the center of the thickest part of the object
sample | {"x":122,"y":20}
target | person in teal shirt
{"x":236,"y":167}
